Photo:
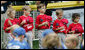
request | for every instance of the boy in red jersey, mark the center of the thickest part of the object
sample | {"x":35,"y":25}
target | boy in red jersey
{"x":60,"y":24}
{"x":9,"y":22}
{"x":26,"y":22}
{"x":76,"y":27}
{"x":43,"y":21}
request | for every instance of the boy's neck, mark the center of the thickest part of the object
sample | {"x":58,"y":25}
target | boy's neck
{"x":41,"y":13}
{"x":74,"y":22}
{"x":10,"y":18}
{"x":25,"y":15}
{"x":59,"y":19}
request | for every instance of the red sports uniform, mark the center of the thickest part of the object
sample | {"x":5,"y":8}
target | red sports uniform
{"x":7,"y":24}
{"x":43,"y":18}
{"x":28,"y":26}
{"x":76,"y":27}
{"x":59,"y":23}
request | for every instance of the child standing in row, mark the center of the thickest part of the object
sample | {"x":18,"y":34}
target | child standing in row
{"x":76,"y":27}
{"x":9,"y":22}
{"x":43,"y":21}
{"x":60,"y":24}
{"x":26,"y":22}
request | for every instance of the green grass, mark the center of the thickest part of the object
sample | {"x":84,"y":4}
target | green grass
{"x":36,"y":44}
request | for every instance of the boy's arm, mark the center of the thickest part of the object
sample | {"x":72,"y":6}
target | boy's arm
{"x":37,"y":22}
{"x":30,"y":20}
{"x":6,"y":28}
{"x":69,"y":29}
{"x":82,"y":29}
{"x":21,"y":22}
{"x":24,"y":21}
{"x":54,"y":25}
{"x":60,"y":28}
{"x":44,"y":23}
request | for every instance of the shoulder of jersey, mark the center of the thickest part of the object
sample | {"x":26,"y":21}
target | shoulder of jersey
{"x":22,"y":16}
{"x":65,"y":19}
{"x":7,"y":19}
{"x":38,"y":15}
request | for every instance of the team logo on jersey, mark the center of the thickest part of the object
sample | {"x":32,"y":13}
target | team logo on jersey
{"x":76,"y":30}
{"x":27,"y":20}
{"x":41,"y":20}
{"x":57,"y":24}
{"x":64,"y":23}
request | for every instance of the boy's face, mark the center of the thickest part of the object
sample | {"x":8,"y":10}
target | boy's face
{"x":27,"y":13}
{"x":12,"y":15}
{"x":76,"y":20}
{"x":60,"y":15}
{"x":42,"y":9}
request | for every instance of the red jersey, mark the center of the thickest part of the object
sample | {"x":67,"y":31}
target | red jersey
{"x":76,"y":27}
{"x":59,"y":23}
{"x":28,"y":26}
{"x":7,"y":24}
{"x":43,"y":18}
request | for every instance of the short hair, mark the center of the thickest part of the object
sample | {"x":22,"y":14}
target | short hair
{"x":40,"y":5}
{"x":75,"y":15}
{"x":74,"y":38}
{"x":48,"y":12}
{"x":51,"y":41}
{"x":26,"y":8}
{"x":58,"y":11}
{"x":9,"y":10}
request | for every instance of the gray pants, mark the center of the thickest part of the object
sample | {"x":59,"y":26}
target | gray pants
{"x":29,"y":38}
{"x":3,"y":35}
{"x":7,"y":37}
{"x":40,"y":37}
{"x":62,"y":36}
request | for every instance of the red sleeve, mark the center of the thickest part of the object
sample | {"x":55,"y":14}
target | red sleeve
{"x":54,"y":25}
{"x":81,"y":28}
{"x":31,"y":20}
{"x":37,"y":22}
{"x":50,"y":21}
{"x":69,"y":28}
{"x":5,"y":25}
{"x":17,"y":21}
{"x":50,"y":18}
{"x":66,"y":21}
{"x":20,"y":20}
